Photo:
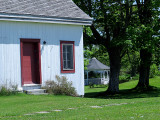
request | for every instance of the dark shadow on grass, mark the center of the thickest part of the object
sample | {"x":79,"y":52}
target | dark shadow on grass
{"x":127,"y":94}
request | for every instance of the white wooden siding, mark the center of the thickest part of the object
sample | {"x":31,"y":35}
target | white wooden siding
{"x":10,"y":63}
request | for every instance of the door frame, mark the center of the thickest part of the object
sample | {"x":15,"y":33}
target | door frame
{"x":25,"y":40}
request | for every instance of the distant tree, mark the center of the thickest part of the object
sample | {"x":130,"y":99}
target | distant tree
{"x":145,"y":36}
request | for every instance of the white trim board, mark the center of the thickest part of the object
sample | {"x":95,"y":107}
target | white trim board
{"x":42,"y":19}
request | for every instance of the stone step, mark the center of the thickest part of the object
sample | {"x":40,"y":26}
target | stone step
{"x":38,"y":94}
{"x":31,"y":86}
{"x":35,"y":91}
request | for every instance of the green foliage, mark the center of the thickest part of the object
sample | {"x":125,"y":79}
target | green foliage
{"x":130,"y":63}
{"x":136,"y":77}
{"x":60,"y":87}
{"x":91,"y":85}
{"x":7,"y":92}
{"x":143,"y":36}
{"x":154,"y":71}
{"x":127,"y":77}
{"x":86,"y":62}
{"x":110,"y":19}
{"x":124,"y":78}
{"x":98,"y":52}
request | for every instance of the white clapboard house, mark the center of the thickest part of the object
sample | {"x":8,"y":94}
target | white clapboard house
{"x":40,"y":39}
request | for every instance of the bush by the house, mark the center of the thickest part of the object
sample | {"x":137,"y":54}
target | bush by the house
{"x":4,"y":91}
{"x":60,"y":87}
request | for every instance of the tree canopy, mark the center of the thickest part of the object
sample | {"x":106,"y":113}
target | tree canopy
{"x":122,"y":25}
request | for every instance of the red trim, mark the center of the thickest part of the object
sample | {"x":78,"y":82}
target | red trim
{"x":67,"y":71}
{"x":22,"y":40}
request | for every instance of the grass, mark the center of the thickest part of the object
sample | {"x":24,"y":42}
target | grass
{"x":128,"y":105}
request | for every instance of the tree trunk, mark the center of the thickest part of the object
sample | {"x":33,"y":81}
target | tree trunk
{"x":133,"y":70}
{"x":145,"y":63}
{"x":115,"y":65}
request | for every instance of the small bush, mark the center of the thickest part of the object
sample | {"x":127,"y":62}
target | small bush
{"x":124,"y":78}
{"x":60,"y":87}
{"x":136,"y":77}
{"x":91,"y":85}
{"x":154,"y":71}
{"x":6,"y":92}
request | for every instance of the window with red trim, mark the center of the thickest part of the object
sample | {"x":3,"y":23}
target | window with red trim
{"x":67,"y":57}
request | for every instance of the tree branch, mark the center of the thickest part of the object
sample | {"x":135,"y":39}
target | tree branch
{"x":96,"y":34}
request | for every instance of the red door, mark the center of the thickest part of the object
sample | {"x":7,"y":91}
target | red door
{"x":30,"y":62}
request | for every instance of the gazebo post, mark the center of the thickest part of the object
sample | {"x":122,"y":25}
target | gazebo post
{"x":107,"y":75}
{"x":104,"y":75}
{"x":101,"y":77}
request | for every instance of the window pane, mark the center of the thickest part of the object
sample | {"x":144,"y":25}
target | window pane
{"x":67,"y":56}
{"x":64,"y":56}
{"x":64,"y":48}
{"x":70,"y":56}
{"x":70,"y":64}
{"x":64,"y":64}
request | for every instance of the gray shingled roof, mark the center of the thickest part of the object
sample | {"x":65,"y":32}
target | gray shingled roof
{"x":49,"y":8}
{"x":94,"y":64}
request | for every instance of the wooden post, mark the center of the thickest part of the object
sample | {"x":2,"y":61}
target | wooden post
{"x":104,"y":75}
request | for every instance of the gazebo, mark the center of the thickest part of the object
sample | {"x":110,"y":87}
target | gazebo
{"x":97,"y":66}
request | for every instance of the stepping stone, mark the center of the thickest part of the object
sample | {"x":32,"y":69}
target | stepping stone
{"x":42,"y":112}
{"x":115,"y":104}
{"x":95,"y":106}
{"x":124,"y":103}
{"x":70,"y":108}
{"x":57,"y":110}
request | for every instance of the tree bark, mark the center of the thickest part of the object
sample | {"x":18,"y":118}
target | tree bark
{"x":145,"y":63}
{"x":115,"y":66}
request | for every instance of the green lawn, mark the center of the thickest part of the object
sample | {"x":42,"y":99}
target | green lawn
{"x":128,"y":105}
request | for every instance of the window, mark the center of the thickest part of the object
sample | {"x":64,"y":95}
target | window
{"x":67,"y":57}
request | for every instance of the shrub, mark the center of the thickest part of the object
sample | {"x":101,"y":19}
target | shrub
{"x":154,"y":71}
{"x":136,"y":77}
{"x":124,"y":78}
{"x":91,"y":85}
{"x":6,"y":92}
{"x":60,"y":87}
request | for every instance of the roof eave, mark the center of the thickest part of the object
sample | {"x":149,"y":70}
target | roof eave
{"x":97,"y":69}
{"x":45,"y":19}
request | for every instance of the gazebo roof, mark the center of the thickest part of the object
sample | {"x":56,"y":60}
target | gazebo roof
{"x":94,"y":64}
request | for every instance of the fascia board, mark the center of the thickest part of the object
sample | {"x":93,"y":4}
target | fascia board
{"x":58,"y":20}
